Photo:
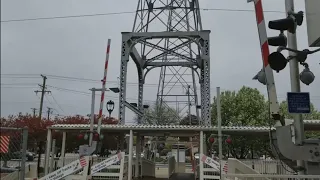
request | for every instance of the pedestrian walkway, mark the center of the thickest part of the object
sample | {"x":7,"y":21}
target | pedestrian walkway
{"x":175,"y":176}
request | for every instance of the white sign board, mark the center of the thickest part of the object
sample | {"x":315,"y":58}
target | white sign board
{"x":211,"y":162}
{"x":67,"y":169}
{"x":86,"y":150}
{"x":108,"y":162}
{"x":182,"y":155}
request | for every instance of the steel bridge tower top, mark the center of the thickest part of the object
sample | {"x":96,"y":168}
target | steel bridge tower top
{"x":167,"y":15}
{"x":168,"y":34}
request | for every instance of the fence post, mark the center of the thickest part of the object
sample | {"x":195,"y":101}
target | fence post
{"x":53,"y":148}
{"x":24,"y":153}
{"x":47,"y":152}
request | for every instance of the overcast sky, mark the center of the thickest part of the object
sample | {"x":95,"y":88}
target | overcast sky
{"x":75,"y":47}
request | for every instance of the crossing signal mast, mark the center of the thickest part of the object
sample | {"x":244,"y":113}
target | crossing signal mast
{"x":305,"y":152}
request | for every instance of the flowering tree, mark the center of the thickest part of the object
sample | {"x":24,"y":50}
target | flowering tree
{"x":38,"y":129}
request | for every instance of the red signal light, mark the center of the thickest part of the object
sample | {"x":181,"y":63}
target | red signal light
{"x":80,"y":136}
{"x":228,"y":141}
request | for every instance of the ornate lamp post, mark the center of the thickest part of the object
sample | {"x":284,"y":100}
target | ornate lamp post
{"x":110,"y":107}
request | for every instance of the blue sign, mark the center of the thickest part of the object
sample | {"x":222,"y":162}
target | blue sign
{"x":298,"y":102}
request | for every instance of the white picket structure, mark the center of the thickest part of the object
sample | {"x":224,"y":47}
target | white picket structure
{"x":110,"y":168}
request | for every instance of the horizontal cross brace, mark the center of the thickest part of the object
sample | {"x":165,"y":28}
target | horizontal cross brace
{"x":133,"y":108}
{"x":177,"y":34}
{"x":182,"y":64}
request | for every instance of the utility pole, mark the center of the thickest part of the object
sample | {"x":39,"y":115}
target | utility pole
{"x":92,"y":122}
{"x":189,"y":105}
{"x":295,"y":82}
{"x":43,"y":91}
{"x":34,"y":111}
{"x":93,"y":96}
{"x":219,"y":127}
{"x":49,"y":112}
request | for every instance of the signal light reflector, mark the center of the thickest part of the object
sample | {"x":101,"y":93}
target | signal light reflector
{"x":287,"y":24}
{"x":277,"y":61}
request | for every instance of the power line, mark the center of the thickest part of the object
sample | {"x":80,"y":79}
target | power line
{"x":238,"y":10}
{"x":13,"y":74}
{"x":21,"y":84}
{"x":89,"y":94}
{"x":68,"y":78}
{"x":70,"y":90}
{"x":315,"y":97}
{"x":66,"y":17}
{"x":21,"y":77}
{"x":120,"y":13}
{"x":16,"y":87}
{"x":49,"y":100}
{"x":54,"y":99}
{"x":76,"y":79}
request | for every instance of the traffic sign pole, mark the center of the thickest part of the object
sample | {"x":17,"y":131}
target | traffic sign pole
{"x":295,"y":83}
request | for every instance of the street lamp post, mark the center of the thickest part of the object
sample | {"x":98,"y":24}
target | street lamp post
{"x":110,"y":107}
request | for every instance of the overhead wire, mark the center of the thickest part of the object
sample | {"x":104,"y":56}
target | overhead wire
{"x":65,"y":17}
{"x":66,"y":78}
{"x":77,"y":79}
{"x":89,"y":94}
{"x":54,"y":99}
{"x":121,"y":13}
{"x":46,"y":96}
{"x":84,"y":80}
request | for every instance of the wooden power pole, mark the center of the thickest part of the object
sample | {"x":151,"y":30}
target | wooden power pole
{"x":49,"y":112}
{"x":43,"y":91}
{"x":34,"y":111}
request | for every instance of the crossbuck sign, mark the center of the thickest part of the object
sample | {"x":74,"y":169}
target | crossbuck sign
{"x":67,"y":169}
{"x":211,"y":162}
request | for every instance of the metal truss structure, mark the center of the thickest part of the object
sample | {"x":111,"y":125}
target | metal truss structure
{"x":168,"y":34}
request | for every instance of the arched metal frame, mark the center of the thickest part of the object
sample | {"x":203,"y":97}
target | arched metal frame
{"x":201,"y":62}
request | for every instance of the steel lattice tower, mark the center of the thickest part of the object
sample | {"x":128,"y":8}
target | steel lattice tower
{"x":168,"y":34}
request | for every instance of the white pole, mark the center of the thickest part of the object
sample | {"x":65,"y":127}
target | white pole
{"x":295,"y":82}
{"x":130,"y":155}
{"x":189,"y":105}
{"x":63,"y":147}
{"x":219,"y":127}
{"x":138,"y":154}
{"x":201,"y":154}
{"x":47,"y":156}
{"x":53,"y":148}
{"x":93,"y":97}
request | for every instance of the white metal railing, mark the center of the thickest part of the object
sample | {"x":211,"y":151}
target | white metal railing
{"x":115,"y":171}
{"x":269,"y":177}
{"x":210,"y":173}
{"x":266,"y":166}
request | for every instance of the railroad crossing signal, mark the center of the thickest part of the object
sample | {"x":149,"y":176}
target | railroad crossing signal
{"x":276,"y":60}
